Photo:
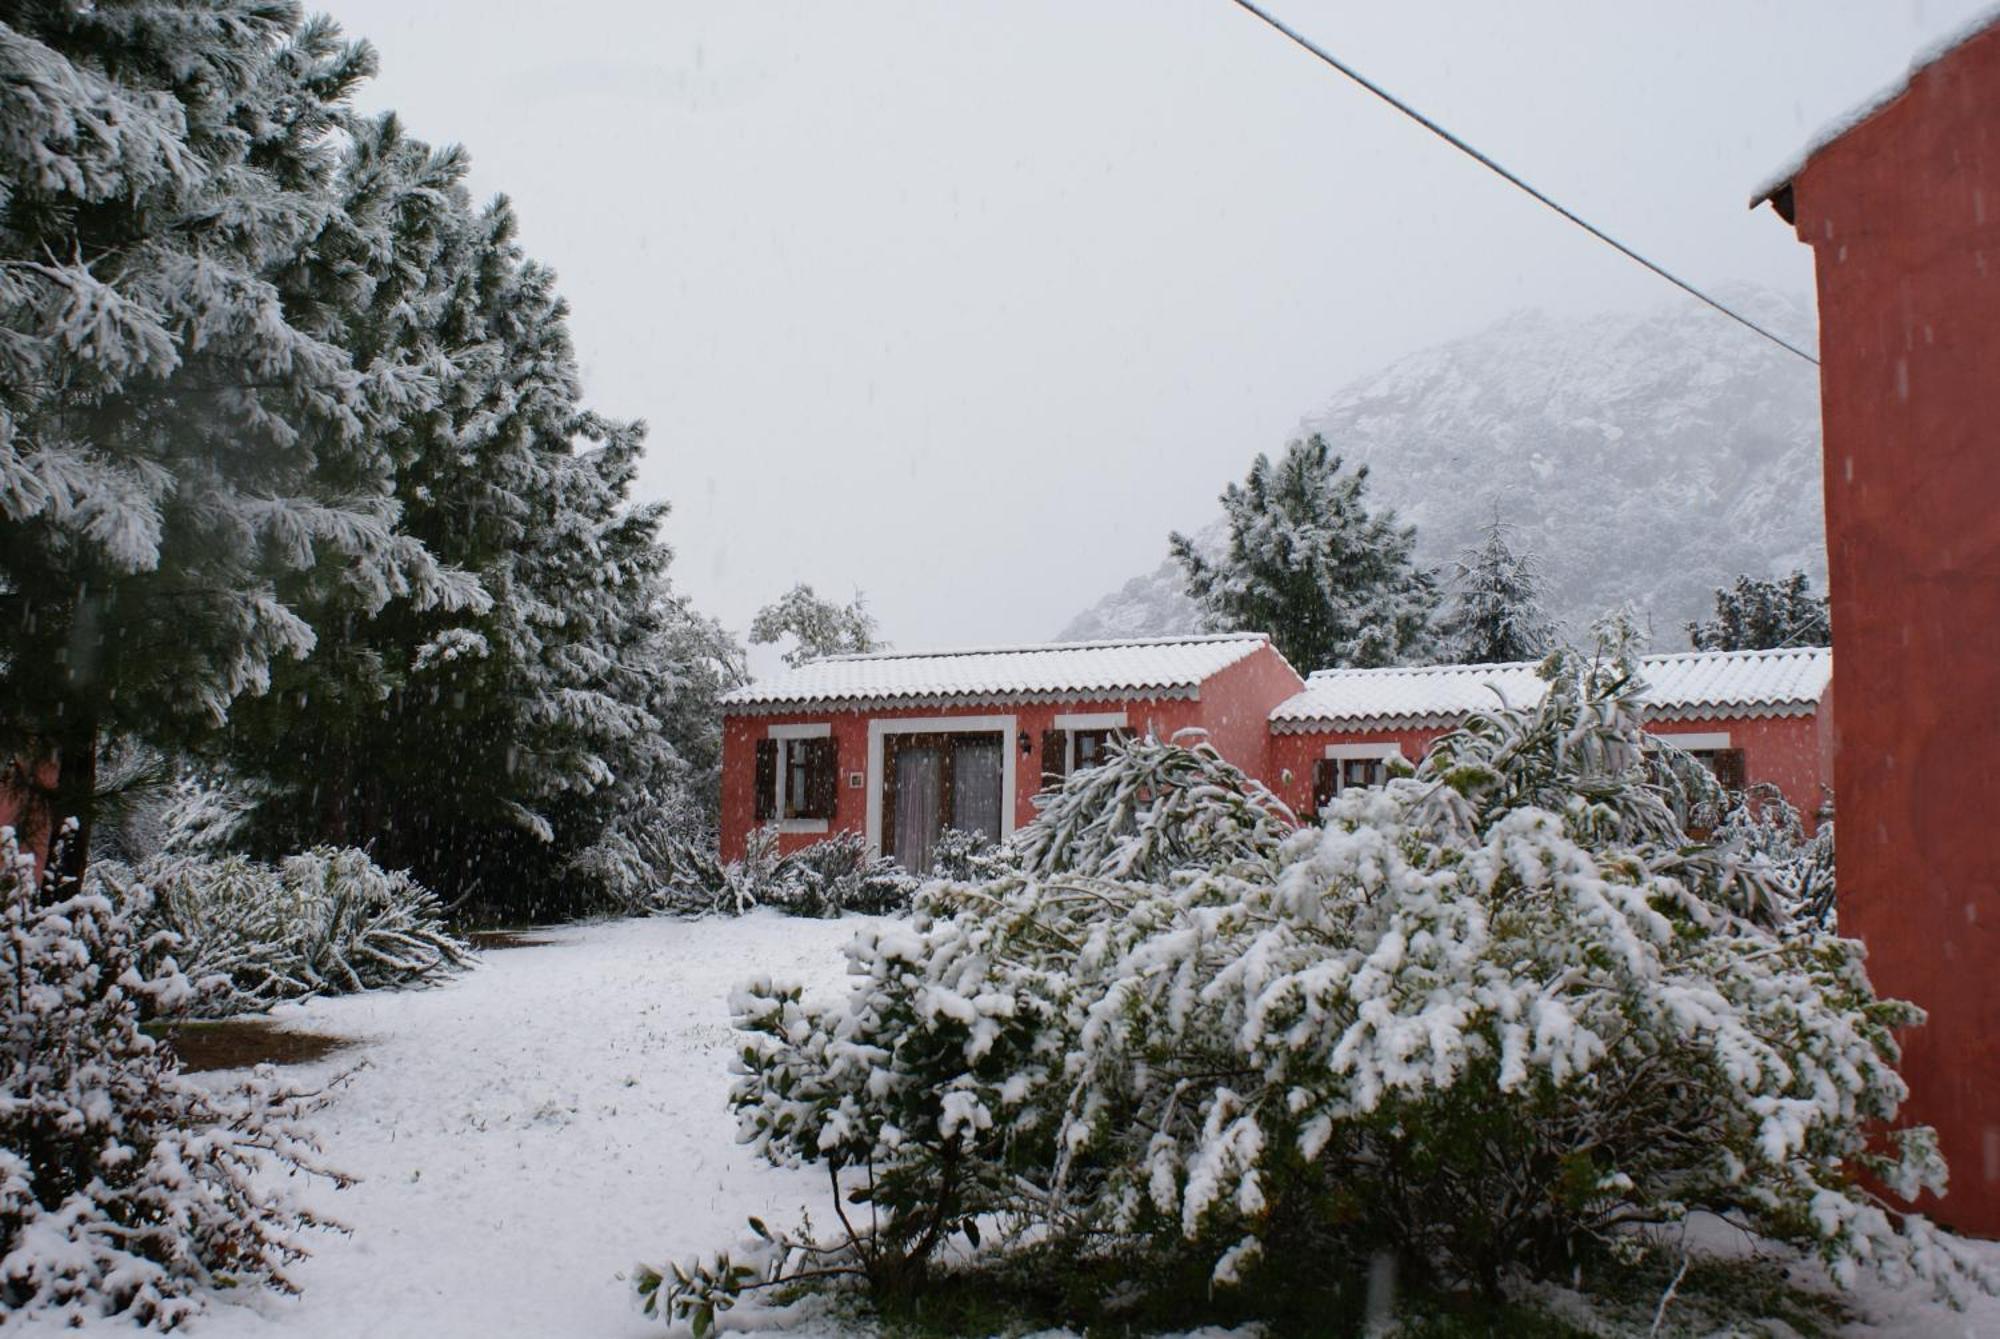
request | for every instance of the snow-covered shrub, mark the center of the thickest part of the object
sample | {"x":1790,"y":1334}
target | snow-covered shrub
{"x":1504,"y":1019}
{"x":838,"y":875}
{"x":827,"y":878}
{"x":1151,"y":807}
{"x":965,"y":857}
{"x":1763,"y":825}
{"x":325,"y":921}
{"x":124,"y":1189}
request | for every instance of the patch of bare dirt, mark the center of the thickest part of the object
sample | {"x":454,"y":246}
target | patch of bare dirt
{"x":239,"y":1043}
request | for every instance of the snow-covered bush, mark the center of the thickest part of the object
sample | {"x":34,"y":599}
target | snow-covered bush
{"x":1765,"y":826}
{"x":325,"y":921}
{"x":1504,"y":1019}
{"x":124,"y":1189}
{"x":965,"y":857}
{"x":1151,"y":807}
{"x":828,"y":878}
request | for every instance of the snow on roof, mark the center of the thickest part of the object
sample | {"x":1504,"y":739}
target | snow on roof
{"x":1704,"y":684}
{"x":1153,"y":667}
{"x":1926,"y":57}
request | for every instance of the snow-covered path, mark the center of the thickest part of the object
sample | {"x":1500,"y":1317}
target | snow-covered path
{"x":528,"y":1132}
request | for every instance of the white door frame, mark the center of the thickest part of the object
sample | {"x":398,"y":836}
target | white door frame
{"x":879,"y":730}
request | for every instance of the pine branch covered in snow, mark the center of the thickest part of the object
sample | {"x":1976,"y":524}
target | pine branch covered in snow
{"x":126,"y":1190}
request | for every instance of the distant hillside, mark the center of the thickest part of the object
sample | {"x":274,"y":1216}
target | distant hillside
{"x":1645,"y":457}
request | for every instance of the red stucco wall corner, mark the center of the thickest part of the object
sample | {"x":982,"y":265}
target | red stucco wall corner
{"x":1903,"y":214}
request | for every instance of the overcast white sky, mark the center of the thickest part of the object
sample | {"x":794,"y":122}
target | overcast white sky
{"x":966,"y":305}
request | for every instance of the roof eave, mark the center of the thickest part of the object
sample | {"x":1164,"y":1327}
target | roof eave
{"x":947,"y":701}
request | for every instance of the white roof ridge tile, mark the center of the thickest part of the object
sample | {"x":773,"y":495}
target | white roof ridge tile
{"x":1152,"y":667}
{"x":1035,"y":648}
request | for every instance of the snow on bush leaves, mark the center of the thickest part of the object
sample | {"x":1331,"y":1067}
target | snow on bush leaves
{"x":325,"y":921}
{"x":1497,"y":1018}
{"x":828,"y":878}
{"x":125,"y":1190}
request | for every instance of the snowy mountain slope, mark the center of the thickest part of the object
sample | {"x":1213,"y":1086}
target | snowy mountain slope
{"x":1645,"y":456}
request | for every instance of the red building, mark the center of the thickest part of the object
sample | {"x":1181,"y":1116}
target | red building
{"x":1754,"y":716}
{"x":1902,"y":210}
{"x":898,"y":747}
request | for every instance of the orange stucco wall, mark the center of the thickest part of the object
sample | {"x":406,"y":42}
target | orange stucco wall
{"x":1233,"y":707}
{"x":1903,"y":215}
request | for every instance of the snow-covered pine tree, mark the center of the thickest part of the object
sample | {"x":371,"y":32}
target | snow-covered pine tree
{"x":484,"y":745}
{"x":1493,"y":612}
{"x":176,"y":440}
{"x":667,"y":797}
{"x":1759,"y":614}
{"x":1307,"y":562}
{"x":818,"y":627}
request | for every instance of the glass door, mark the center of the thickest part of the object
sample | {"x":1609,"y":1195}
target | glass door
{"x":934,"y":781}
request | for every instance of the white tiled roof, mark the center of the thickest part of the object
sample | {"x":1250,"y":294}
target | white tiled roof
{"x":1697,"y":684}
{"x":1162,"y":667}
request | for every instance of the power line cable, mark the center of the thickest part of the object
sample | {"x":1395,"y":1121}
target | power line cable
{"x":1478,"y":157}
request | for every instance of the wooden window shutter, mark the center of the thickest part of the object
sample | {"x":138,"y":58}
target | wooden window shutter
{"x":1326,"y":782}
{"x":767,"y":780}
{"x":822,"y":777}
{"x":1730,"y":769}
{"x":1055,"y":758}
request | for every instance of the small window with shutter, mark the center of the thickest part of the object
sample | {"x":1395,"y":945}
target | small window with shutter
{"x":811,"y":778}
{"x":797,"y":779}
{"x":1726,"y":765}
{"x":1055,"y":758}
{"x":1071,"y":750}
{"x":766,"y":780}
{"x":1333,"y":775}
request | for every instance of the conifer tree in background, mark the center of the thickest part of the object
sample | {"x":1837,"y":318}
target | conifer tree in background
{"x":1306,"y":562}
{"x":1494,"y":612}
{"x":817,"y":627}
{"x":1758,"y":615}
{"x":177,"y":443}
{"x":484,"y":747}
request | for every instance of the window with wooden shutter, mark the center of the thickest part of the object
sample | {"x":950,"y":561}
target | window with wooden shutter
{"x":1728,"y":766}
{"x":1055,"y":758}
{"x":822,"y":778}
{"x":766,"y":782}
{"x":1089,"y":748}
{"x":1326,"y":782}
{"x":810,"y":778}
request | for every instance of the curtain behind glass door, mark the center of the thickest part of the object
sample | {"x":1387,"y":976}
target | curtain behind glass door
{"x":919,"y":807}
{"x":976,"y":776}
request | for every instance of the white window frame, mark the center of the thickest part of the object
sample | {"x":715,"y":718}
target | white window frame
{"x":1071,"y":722}
{"x":880,"y":729}
{"x":1693,"y":741}
{"x":1384,"y":752}
{"x":784,"y":735}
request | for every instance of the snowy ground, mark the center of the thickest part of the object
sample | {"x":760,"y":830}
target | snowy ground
{"x":528,"y":1132}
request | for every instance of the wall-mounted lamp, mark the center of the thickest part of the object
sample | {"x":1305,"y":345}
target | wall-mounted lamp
{"x":1027,"y":744}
